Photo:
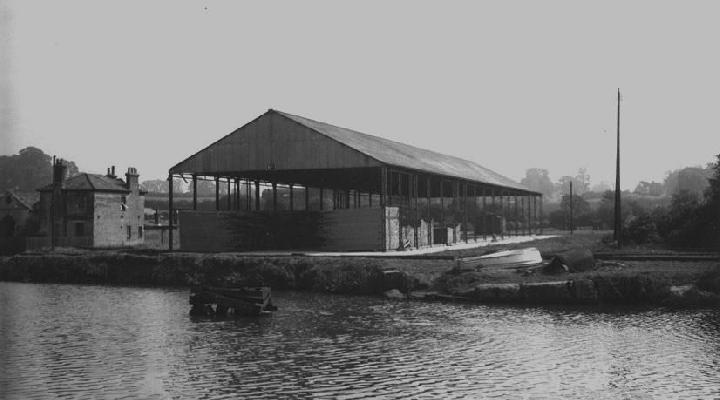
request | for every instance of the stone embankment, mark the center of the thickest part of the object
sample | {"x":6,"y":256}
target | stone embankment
{"x":400,"y":279}
{"x":322,"y":274}
{"x":591,"y":290}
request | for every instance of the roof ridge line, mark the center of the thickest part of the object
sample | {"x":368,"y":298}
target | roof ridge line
{"x":288,"y":116}
{"x":87,"y":178}
{"x":211,"y":144}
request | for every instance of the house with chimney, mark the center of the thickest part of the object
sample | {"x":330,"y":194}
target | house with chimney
{"x":16,"y":212}
{"x":90,"y":211}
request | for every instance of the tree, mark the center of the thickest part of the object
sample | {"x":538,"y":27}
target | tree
{"x":205,"y":188}
{"x":538,"y":180}
{"x":155,"y":186}
{"x":649,"y":188}
{"x":582,"y":181}
{"x":679,"y":225}
{"x":72,"y":169}
{"x":581,"y":213}
{"x":600,"y":187}
{"x":712,"y":192}
{"x":28,"y":170}
{"x":692,"y":179}
{"x":710,"y":213}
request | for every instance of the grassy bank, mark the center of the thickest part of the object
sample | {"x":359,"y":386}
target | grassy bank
{"x":659,"y":282}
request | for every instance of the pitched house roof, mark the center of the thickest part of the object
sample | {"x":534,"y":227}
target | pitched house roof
{"x":25,"y":200}
{"x":91,"y":182}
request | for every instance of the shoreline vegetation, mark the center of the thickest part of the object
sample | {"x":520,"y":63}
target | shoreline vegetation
{"x":657,"y":282}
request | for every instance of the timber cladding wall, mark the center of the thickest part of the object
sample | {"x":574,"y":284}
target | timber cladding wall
{"x":353,"y":229}
{"x":337,"y":230}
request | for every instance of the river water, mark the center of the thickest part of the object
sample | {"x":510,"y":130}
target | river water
{"x":108,"y":342}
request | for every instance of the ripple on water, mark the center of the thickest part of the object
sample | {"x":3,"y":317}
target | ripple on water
{"x":93,"y":341}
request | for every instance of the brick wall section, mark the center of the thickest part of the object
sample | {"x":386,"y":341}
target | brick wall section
{"x":337,"y":230}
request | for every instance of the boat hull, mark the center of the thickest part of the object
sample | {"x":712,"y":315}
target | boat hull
{"x":519,"y":257}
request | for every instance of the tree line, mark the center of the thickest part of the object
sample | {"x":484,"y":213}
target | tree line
{"x":681,"y":211}
{"x":28,"y":170}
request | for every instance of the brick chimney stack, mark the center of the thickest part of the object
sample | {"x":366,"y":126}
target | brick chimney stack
{"x":59,"y":172}
{"x":111,"y":172}
{"x":131,"y":180}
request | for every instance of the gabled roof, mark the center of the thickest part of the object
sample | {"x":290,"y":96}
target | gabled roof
{"x":222,"y":156}
{"x":406,"y":156}
{"x":26,"y":200}
{"x":92,"y":182}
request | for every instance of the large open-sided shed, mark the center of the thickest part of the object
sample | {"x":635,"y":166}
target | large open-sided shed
{"x":358,"y":191}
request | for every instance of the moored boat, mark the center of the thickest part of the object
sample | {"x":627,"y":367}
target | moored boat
{"x":228,"y":301}
{"x":511,"y":258}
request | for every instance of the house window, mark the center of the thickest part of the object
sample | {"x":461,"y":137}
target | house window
{"x":140,"y":232}
{"x":79,"y":229}
{"x":129,"y":232}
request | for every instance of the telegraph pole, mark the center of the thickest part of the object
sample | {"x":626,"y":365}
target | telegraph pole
{"x":618,"y":219}
{"x":571,"y":209}
{"x":52,"y":206}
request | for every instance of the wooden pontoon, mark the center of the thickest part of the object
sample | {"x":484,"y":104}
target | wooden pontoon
{"x":225,"y":301}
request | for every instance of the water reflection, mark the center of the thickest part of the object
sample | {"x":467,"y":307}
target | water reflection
{"x":100,"y":341}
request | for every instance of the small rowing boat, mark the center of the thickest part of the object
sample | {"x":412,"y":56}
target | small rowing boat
{"x":511,"y":258}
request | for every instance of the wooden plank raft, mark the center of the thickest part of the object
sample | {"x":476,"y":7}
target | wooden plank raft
{"x":230,"y":301}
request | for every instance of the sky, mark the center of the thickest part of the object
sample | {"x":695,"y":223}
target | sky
{"x":510,"y":85}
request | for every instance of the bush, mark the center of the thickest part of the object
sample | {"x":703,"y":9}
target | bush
{"x":642,"y":230}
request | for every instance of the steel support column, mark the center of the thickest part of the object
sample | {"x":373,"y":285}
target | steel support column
{"x":528,"y":218}
{"x":492,"y":224}
{"x":194,"y":182}
{"x":307,"y":198}
{"x":541,"y":215}
{"x":257,"y":195}
{"x":170,"y":213}
{"x":383,"y":187}
{"x":229,"y":199}
{"x":484,"y":213}
{"x":442,"y":203}
{"x":517,"y":217}
{"x":274,"y":196}
{"x":502,"y":214}
{"x":465,"y":211}
{"x":292,"y":200}
{"x":248,"y":193}
{"x":217,"y":193}
{"x":428,"y":194}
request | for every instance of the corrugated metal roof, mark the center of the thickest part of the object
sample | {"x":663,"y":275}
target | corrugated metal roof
{"x":92,"y":182}
{"x":405,"y":156}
